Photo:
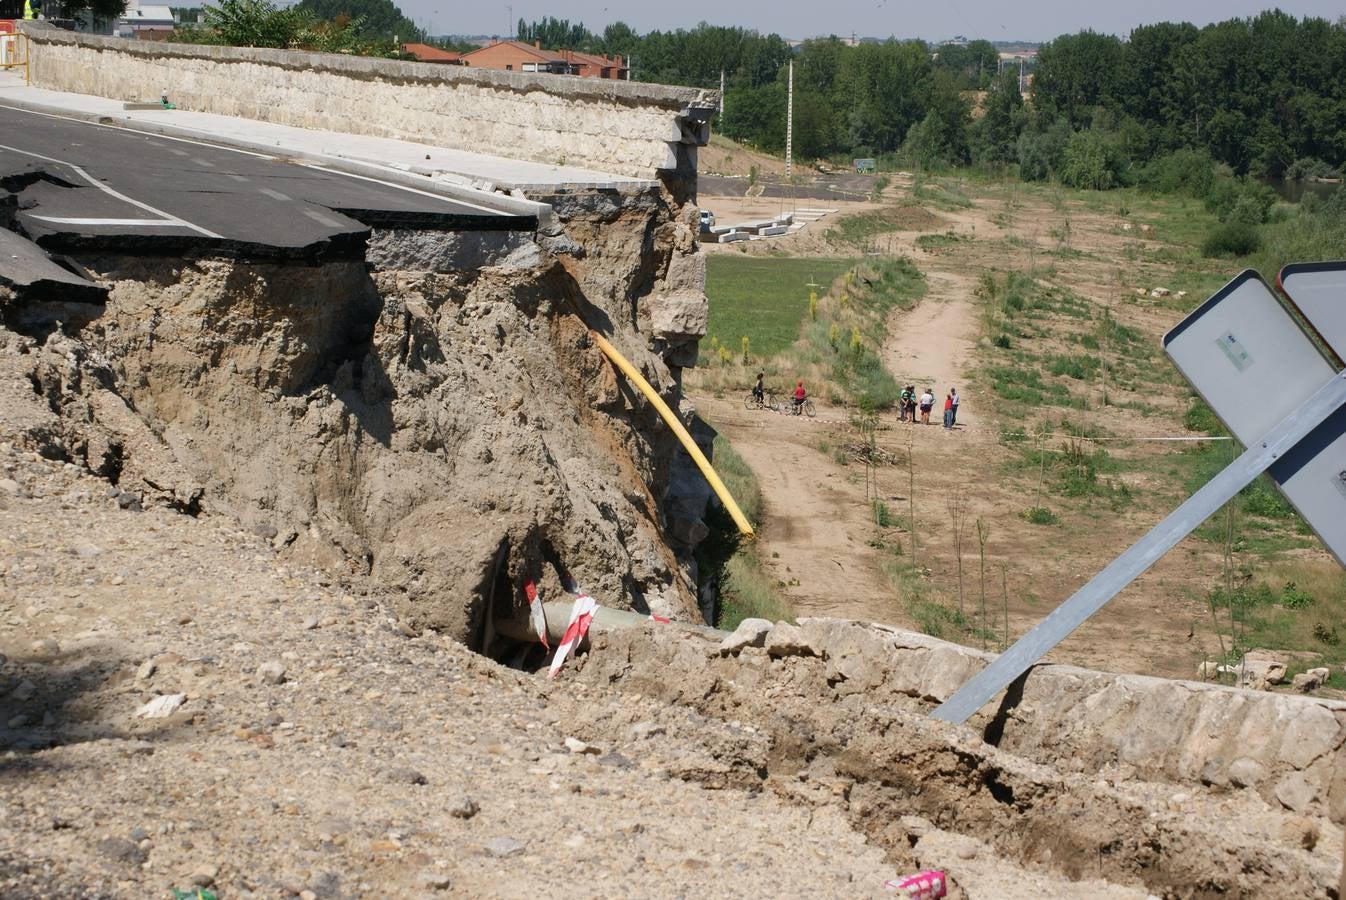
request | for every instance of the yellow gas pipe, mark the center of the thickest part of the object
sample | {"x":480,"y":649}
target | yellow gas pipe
{"x":669,"y":417}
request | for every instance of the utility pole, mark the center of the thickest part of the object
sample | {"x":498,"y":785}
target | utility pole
{"x":790,"y":126}
{"x":509,"y":11}
{"x":721,"y":125}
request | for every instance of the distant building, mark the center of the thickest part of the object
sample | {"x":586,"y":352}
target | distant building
{"x":146,"y":23}
{"x":957,"y":40}
{"x":518,"y":56}
{"x":427,"y":53}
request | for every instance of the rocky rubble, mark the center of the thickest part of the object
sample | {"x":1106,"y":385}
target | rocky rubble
{"x":833,"y":714}
{"x":433,"y":415}
{"x":332,"y":759}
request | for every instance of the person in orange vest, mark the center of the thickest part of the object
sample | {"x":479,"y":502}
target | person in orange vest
{"x":30,"y":10}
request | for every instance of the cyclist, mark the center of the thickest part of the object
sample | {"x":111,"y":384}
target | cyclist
{"x":800,"y":396}
{"x":758,"y":389}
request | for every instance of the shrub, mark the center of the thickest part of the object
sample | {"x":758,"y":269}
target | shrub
{"x":1002,"y":341}
{"x":1310,"y":167}
{"x":1293,"y":597}
{"x":1232,"y":239}
{"x":1239,"y":199}
{"x":1039,"y":515}
{"x":1040,"y":151}
{"x":1091,"y":161}
{"x":1184,"y":171}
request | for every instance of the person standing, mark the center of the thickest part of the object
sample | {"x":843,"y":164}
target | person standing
{"x":927,"y":404}
{"x":948,"y":410}
{"x":800,"y":396}
{"x":953,"y":419}
{"x":907,"y":403}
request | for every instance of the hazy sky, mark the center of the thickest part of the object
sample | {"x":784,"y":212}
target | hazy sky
{"x":1033,"y":20}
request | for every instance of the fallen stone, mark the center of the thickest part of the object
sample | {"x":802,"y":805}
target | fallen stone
{"x":644,"y":730}
{"x":1246,"y":772}
{"x":435,"y":881}
{"x":46,"y":647}
{"x":1300,"y":831}
{"x":500,"y":847}
{"x":1208,"y":670}
{"x":9,"y":486}
{"x":121,"y":850}
{"x":1307,"y":682}
{"x":310,"y":623}
{"x":1295,"y":793}
{"x":405,"y":775}
{"x":204,"y":876}
{"x":789,"y":640}
{"x":17,"y":721}
{"x":575,"y":745}
{"x":749,"y":633}
{"x":24,"y":692}
{"x":1260,"y":669}
{"x":271,"y":672}
{"x":161,"y":707}
{"x":146,"y":670}
{"x":463,"y":808}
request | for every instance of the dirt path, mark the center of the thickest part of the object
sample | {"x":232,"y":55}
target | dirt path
{"x":815,"y":531}
{"x":931,"y":345}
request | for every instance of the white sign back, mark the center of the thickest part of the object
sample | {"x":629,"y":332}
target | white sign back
{"x":1318,"y":291}
{"x":1247,"y":357}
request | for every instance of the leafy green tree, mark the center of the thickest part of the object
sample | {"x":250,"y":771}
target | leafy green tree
{"x":996,"y":134}
{"x":1091,"y":161}
{"x":378,"y":19}
{"x":1042,"y":146}
{"x":1076,"y":73}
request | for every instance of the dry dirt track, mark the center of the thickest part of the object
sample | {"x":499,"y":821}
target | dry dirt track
{"x":819,"y":511}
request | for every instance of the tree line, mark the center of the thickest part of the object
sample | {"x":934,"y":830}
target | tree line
{"x":1264,"y":96}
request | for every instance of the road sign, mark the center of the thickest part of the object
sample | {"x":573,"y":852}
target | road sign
{"x":1246,"y":355}
{"x":1318,"y":291}
{"x":1313,"y":475}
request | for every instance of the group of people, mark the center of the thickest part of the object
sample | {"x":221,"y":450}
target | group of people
{"x":759,"y":390}
{"x":909,"y":403}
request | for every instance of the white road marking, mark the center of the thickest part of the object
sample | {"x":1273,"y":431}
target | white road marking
{"x":237,"y":177}
{"x":274,"y":157}
{"x":203,"y":163}
{"x":274,"y":195}
{"x":176,"y":151}
{"x":324,"y":220}
{"x":68,"y":220}
{"x":114,"y":193}
{"x":400,"y":187}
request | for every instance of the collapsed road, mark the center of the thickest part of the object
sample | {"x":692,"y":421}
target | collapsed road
{"x":83,"y":186}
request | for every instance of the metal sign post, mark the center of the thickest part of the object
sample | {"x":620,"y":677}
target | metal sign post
{"x":1246,"y":355}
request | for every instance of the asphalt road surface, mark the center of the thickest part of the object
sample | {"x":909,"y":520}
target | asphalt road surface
{"x":83,"y":186}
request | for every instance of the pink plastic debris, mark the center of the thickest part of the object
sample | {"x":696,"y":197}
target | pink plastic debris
{"x":928,"y":885}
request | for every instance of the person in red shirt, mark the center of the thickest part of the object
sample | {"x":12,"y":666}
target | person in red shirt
{"x":800,"y":394}
{"x":948,"y":410}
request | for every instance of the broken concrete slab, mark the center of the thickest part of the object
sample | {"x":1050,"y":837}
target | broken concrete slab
{"x":32,"y":276}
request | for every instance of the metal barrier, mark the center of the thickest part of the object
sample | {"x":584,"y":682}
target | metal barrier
{"x":14,"y":53}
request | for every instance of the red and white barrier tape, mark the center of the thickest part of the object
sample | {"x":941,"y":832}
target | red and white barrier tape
{"x":536,"y":614}
{"x":581,"y":614}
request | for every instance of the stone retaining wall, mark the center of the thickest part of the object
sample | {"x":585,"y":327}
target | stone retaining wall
{"x":1289,"y":748}
{"x":619,"y":127}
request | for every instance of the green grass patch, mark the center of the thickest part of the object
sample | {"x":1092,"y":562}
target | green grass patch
{"x":1294,"y":605}
{"x":746,"y":591}
{"x":763,"y":299}
{"x":933,"y":243}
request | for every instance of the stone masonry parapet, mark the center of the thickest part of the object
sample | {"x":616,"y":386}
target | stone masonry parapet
{"x":626,"y":128}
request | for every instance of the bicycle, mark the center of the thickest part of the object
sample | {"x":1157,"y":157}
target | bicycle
{"x":794,"y":409}
{"x":767,"y":401}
